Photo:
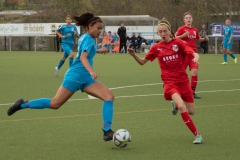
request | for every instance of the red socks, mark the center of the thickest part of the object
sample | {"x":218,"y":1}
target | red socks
{"x":194,"y":80}
{"x":188,"y":121}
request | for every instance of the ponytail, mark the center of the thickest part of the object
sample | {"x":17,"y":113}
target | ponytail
{"x":86,"y":19}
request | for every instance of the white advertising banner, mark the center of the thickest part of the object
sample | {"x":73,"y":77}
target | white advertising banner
{"x":30,"y":29}
{"x":36,"y":28}
{"x":8,"y":29}
{"x":146,"y":31}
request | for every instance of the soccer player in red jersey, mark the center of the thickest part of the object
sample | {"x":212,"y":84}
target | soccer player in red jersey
{"x":190,"y":34}
{"x":170,"y":53}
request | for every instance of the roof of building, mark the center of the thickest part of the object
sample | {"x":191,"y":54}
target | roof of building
{"x":18,"y":12}
{"x":129,"y":20}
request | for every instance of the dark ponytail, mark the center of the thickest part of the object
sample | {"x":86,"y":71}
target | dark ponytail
{"x":86,"y":19}
{"x":165,"y":22}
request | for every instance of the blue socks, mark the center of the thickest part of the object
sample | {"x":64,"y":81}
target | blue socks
{"x":70,"y":61}
{"x":225,"y":57}
{"x":37,"y":104}
{"x":107,"y":114}
{"x":60,"y":64}
{"x":232,"y":55}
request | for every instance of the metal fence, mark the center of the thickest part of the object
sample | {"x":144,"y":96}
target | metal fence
{"x":30,"y":43}
{"x":215,"y":45}
{"x":49,"y":43}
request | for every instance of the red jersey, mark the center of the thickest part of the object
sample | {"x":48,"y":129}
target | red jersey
{"x":191,"y":38}
{"x":170,"y":58}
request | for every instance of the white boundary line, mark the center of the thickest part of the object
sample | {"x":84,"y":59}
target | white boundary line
{"x":223,"y":80}
{"x":145,"y":95}
{"x":152,"y":84}
{"x":140,"y":85}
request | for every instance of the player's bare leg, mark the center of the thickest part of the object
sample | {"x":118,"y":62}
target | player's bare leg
{"x":186,"y":118}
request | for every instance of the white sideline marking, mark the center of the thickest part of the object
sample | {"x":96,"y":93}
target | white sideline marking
{"x":223,"y":80}
{"x":140,"y":85}
{"x":152,"y":84}
{"x":145,"y":95}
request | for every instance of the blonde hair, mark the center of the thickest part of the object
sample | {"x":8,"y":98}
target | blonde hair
{"x":165,"y":22}
{"x":187,"y":13}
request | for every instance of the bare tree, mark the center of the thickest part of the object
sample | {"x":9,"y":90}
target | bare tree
{"x":203,"y":11}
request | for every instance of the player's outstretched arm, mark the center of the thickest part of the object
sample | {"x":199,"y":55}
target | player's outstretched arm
{"x":103,"y":50}
{"x":182,"y":36}
{"x":196,"y":57}
{"x":203,"y":39}
{"x":141,"y":61}
{"x":230,"y":39}
{"x":60,"y":35}
{"x":223,"y":40}
{"x":76,"y":33}
{"x":84,"y":60}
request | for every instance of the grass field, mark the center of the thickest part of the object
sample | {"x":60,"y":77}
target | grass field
{"x":74,"y":131}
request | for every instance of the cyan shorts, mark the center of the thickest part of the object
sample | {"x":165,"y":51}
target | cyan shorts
{"x":67,"y":47}
{"x":74,"y":86}
{"x":227,"y":46}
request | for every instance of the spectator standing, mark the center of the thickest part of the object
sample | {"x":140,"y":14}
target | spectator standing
{"x":58,"y":39}
{"x":204,"y":45}
{"x":122,"y":35}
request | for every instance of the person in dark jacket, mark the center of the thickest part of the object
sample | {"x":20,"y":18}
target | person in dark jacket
{"x":139,"y":41}
{"x":204,"y":45}
{"x":58,"y":40}
{"x":122,"y":35}
{"x":133,"y":41}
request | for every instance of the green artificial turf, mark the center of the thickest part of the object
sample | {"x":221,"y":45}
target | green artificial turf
{"x":74,"y":131}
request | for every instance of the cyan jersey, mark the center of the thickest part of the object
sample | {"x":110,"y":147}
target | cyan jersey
{"x":68,"y":31}
{"x":77,"y":71}
{"x":227,"y":31}
{"x":115,"y":38}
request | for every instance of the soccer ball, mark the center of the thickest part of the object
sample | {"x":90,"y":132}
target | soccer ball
{"x":121,"y":138}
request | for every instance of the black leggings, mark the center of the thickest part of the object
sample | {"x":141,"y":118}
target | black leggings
{"x":123,"y":44}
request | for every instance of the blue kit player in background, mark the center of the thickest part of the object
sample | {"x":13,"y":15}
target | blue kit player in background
{"x":66,"y":33}
{"x":80,"y":76}
{"x":228,"y":41}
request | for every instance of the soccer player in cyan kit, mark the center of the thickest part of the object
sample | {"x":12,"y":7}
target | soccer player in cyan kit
{"x":170,"y":53}
{"x":228,"y":41}
{"x":190,"y":34}
{"x":80,"y":76}
{"x":66,"y":33}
